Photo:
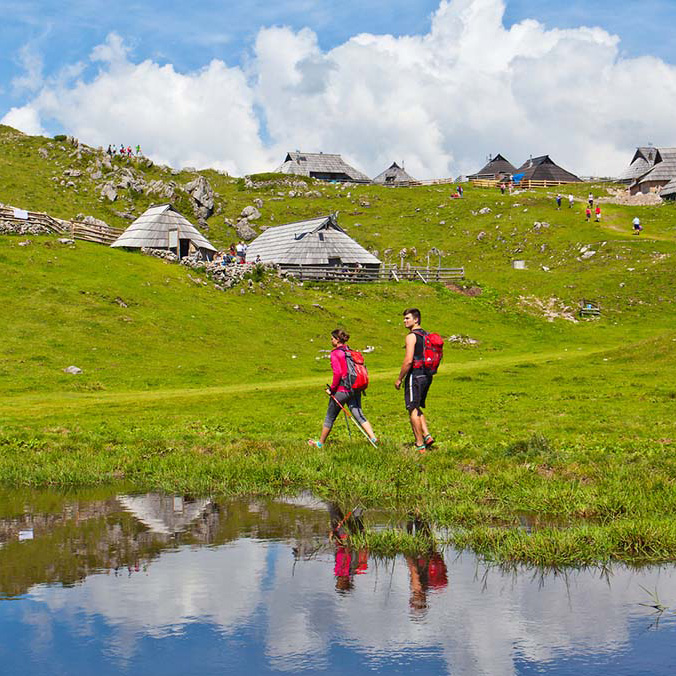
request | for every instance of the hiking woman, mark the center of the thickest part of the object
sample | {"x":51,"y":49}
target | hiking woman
{"x":341,"y":391}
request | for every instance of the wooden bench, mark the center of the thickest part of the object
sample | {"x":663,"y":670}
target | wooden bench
{"x":589,"y":308}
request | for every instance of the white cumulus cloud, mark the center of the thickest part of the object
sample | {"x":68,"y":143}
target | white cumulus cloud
{"x":441,"y":101}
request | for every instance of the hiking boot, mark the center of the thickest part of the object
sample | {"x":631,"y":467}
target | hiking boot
{"x":315,"y":443}
{"x":429,"y":441}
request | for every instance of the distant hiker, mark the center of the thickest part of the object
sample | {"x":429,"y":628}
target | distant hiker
{"x":121,"y":149}
{"x":598,"y":213}
{"x":558,"y":201}
{"x":571,"y":201}
{"x":502,"y":188}
{"x":637,"y":225}
{"x":138,"y":149}
{"x":341,"y":390}
{"x":129,"y":151}
{"x":239,"y":249}
{"x":109,"y":151}
{"x":591,"y":200}
{"x":588,"y":213}
{"x":460,"y":190}
{"x":421,"y":360}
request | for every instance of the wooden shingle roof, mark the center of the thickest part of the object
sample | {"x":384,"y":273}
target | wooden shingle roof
{"x":151,"y":230}
{"x":669,"y":190}
{"x":498,"y":166}
{"x":312,"y":242}
{"x":641,"y":163}
{"x":326,"y":166}
{"x":664,"y":168}
{"x":394,"y":174}
{"x":543,"y":168}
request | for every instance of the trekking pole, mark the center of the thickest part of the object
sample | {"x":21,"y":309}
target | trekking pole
{"x":353,"y":419}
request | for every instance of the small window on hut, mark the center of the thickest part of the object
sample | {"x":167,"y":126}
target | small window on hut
{"x":335,"y":262}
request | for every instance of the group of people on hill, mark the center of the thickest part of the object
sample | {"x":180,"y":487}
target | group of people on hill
{"x":236,"y":253}
{"x":413,"y":375}
{"x":123,"y":151}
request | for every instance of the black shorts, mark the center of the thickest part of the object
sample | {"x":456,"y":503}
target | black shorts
{"x":416,"y":385}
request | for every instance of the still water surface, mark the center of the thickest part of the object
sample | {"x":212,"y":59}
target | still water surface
{"x":105,"y":583}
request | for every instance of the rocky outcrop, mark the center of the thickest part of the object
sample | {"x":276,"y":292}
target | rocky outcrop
{"x":108,"y":191}
{"x":250,"y":213}
{"x":245,"y":231}
{"x":202,"y":196}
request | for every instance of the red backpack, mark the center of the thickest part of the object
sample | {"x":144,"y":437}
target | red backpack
{"x":357,"y":374}
{"x":433,"y":351}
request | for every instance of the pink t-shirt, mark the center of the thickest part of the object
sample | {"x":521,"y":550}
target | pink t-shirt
{"x":339,"y":366}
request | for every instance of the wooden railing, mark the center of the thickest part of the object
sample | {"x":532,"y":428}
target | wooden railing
{"x":33,"y":218}
{"x":524,"y":184}
{"x":100,"y":234}
{"x":384,"y":273}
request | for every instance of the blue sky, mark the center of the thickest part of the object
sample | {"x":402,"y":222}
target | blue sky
{"x":190,"y":35}
{"x":47,"y":44}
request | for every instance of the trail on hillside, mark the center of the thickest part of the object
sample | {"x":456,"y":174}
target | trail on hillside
{"x":36,"y":404}
{"x":611,"y":225}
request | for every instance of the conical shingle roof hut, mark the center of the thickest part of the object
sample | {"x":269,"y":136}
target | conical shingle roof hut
{"x":163,"y":227}
{"x":642,"y":162}
{"x":316,"y":242}
{"x":394,"y":175}
{"x":497,"y":167}
{"x":544,"y":169}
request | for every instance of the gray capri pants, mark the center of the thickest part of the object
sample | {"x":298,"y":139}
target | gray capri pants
{"x":350,"y":399}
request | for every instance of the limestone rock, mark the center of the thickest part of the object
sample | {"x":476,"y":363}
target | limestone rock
{"x":258,"y":202}
{"x":244,"y":230}
{"x":43,"y":153}
{"x":485,"y":210}
{"x":250,"y":213}
{"x":108,"y":191}
{"x":202,"y":197}
{"x":73,"y":370}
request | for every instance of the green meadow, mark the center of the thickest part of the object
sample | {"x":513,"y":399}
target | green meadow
{"x":566,"y":427}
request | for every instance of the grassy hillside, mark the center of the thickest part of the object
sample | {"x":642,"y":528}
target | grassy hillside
{"x":186,"y":387}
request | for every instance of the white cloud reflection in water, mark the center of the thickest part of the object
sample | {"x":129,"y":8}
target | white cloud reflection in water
{"x":481,"y":622}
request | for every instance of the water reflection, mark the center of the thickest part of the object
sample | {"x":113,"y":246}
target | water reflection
{"x":160,"y":584}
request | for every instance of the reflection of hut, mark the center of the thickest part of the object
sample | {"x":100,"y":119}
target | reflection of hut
{"x":496,"y":169}
{"x":324,"y":166}
{"x":163,"y":227}
{"x":319,"y":242}
{"x":659,"y":175}
{"x":543,"y":169}
{"x":642,"y":162}
{"x":164,"y":514}
{"x":394,"y":175}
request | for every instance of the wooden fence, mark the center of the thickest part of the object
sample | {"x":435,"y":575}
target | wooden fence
{"x":100,"y":234}
{"x":318,"y":273}
{"x":486,"y":183}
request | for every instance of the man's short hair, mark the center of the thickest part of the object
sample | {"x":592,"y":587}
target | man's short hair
{"x":414,"y":312}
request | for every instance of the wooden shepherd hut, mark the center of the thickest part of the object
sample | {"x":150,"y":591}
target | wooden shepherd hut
{"x":543,"y":169}
{"x":659,"y":175}
{"x":324,"y":166}
{"x":394,"y":175}
{"x":163,"y":227}
{"x":669,"y":190}
{"x":320,"y":244}
{"x":496,"y":169}
{"x":642,"y":162}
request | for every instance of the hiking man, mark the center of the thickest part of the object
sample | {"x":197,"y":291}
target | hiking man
{"x":637,"y":225}
{"x":341,"y":392}
{"x":416,"y":379}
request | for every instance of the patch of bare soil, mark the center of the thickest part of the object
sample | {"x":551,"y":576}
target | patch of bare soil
{"x":471,"y":291}
{"x":549,"y":308}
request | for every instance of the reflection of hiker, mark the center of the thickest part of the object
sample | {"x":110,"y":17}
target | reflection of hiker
{"x":416,"y":378}
{"x":347,"y":562}
{"x":426,"y":571}
{"x":637,"y":225}
{"x":341,"y":391}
